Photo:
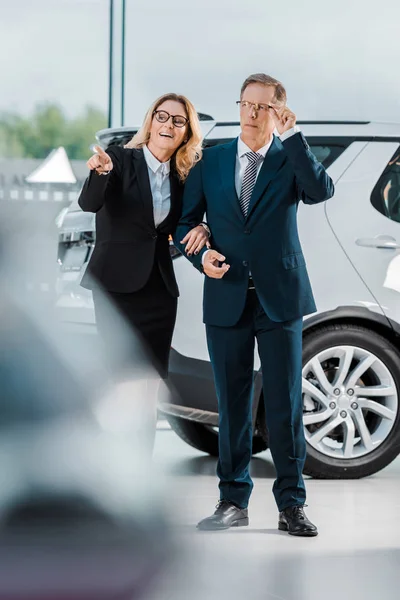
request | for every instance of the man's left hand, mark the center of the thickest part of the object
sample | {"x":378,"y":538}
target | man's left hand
{"x":283,"y":117}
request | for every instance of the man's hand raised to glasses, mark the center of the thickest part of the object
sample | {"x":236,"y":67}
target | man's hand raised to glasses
{"x":211,"y":267}
{"x":283,"y":117}
{"x":100,"y":162}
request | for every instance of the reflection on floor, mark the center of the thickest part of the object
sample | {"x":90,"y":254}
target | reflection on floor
{"x":356,"y":556}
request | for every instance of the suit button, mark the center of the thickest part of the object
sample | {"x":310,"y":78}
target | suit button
{"x":154,"y":236}
{"x":247,"y":231}
{"x":245,"y":263}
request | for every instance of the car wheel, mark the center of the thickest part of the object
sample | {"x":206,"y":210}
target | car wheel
{"x":351,"y":384}
{"x":204,"y":437}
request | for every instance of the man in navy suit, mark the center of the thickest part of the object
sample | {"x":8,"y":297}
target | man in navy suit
{"x":256,"y":287}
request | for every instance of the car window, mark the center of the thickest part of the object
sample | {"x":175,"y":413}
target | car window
{"x":120,"y":141}
{"x":326,"y":153}
{"x":385,"y":196}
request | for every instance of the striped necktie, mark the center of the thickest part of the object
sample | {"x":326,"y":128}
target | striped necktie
{"x":249,"y":179}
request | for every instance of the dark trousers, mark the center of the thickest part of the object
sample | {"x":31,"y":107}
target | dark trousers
{"x":137,"y":330}
{"x":232,"y":355}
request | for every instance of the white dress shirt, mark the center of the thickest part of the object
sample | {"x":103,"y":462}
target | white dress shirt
{"x":159,"y":184}
{"x":242,"y":161}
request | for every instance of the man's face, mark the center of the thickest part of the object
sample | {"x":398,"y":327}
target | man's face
{"x":257,"y":124}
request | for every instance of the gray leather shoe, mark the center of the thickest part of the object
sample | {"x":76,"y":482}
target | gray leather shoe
{"x":226,"y":515}
{"x":294,"y":521}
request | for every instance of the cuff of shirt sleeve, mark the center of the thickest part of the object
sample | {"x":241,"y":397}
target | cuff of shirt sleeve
{"x":203,"y":255}
{"x":287,"y":134}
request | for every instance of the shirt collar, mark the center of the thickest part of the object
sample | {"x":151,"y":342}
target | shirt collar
{"x":154,"y":164}
{"x":242,"y":148}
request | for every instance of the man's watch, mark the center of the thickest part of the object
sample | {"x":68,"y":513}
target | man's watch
{"x":206,"y":227}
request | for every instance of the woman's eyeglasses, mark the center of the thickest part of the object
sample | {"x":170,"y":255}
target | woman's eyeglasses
{"x":163,"y":116}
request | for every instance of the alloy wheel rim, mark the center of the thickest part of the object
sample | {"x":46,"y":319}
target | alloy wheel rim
{"x":350,"y":402}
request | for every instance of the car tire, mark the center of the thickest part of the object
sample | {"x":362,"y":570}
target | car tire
{"x":321,"y":466}
{"x":204,"y":437}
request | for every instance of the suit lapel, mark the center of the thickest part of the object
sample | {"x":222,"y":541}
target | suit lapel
{"x":227,"y":163}
{"x":273,"y":160}
{"x":143,"y":180}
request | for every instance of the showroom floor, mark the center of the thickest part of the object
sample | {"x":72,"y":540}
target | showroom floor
{"x":356,"y":555}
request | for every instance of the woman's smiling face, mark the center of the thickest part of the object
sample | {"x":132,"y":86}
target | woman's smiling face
{"x":167,"y":136}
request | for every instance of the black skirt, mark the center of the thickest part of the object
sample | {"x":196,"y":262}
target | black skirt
{"x":142,"y":338}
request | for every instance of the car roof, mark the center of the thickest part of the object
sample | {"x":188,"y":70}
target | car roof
{"x":225,"y":130}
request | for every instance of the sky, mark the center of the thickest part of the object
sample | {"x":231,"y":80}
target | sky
{"x":337,"y":60}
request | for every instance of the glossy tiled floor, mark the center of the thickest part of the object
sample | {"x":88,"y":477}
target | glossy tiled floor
{"x":356,"y":556}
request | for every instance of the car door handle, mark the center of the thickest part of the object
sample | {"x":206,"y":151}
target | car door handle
{"x":386,"y":242}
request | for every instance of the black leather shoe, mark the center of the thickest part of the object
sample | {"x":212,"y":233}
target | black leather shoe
{"x":294,"y":521}
{"x":226,"y":515}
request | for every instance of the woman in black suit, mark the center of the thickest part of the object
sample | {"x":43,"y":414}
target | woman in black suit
{"x":136,"y":193}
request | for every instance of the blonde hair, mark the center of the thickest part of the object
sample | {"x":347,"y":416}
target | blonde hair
{"x":190,"y":152}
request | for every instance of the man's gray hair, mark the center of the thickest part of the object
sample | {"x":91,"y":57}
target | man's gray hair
{"x":267,"y":80}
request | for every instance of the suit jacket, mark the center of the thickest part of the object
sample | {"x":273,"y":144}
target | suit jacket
{"x":127,"y":240}
{"x":266,"y":242}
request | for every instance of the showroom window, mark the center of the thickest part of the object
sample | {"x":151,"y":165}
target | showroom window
{"x":385,"y":196}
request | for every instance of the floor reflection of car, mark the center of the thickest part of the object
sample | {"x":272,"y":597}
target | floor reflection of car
{"x":351,"y":359}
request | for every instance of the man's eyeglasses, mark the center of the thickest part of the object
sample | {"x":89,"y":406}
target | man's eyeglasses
{"x":257,"y":107}
{"x":163,"y":116}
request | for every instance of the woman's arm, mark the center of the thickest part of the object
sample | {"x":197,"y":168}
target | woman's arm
{"x":104,"y":178}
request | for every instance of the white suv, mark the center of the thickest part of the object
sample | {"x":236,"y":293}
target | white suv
{"x":351,"y":346}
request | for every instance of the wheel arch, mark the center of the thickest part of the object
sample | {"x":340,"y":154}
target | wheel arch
{"x":356,"y":315}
